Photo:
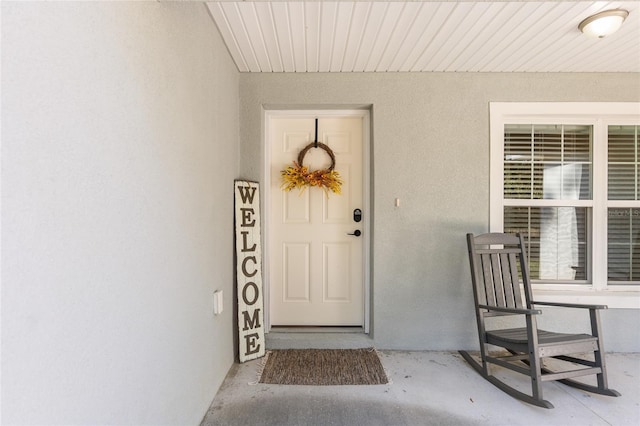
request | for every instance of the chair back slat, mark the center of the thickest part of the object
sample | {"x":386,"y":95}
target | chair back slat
{"x":497,"y":268}
{"x":495,"y":260}
{"x":514,"y":283}
{"x":487,"y":280}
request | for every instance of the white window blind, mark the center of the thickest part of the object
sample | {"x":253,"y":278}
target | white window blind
{"x":623,"y":223}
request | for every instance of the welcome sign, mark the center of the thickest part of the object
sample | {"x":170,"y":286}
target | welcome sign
{"x":249,"y":270}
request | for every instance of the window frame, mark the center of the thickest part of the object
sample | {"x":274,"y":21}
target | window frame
{"x":600,"y":115}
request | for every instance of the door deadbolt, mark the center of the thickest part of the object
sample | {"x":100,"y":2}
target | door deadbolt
{"x":357,"y":215}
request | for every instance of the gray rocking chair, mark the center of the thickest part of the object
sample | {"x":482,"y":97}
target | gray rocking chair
{"x":495,"y":260}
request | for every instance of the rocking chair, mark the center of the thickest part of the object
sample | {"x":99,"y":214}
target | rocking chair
{"x":495,"y":260}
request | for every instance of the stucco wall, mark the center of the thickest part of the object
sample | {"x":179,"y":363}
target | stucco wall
{"x":119,"y":149}
{"x":431,"y":150}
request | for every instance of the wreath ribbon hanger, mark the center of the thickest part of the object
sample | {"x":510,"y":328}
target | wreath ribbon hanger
{"x":299,"y":176}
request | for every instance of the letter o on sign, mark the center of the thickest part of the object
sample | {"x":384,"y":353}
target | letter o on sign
{"x":255,"y":293}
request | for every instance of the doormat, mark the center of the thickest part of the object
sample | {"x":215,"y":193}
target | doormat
{"x":318,"y":367}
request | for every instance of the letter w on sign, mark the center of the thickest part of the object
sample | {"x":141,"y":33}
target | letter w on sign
{"x":249,"y":270}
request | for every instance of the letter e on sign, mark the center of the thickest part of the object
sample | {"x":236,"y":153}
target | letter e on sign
{"x":249,"y":270}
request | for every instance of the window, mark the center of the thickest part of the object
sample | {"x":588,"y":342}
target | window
{"x":542,"y":163}
{"x":566,"y":176}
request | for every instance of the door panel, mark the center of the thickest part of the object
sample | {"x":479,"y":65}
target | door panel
{"x":316,"y":268}
{"x":337,"y":267}
{"x":296,"y":272}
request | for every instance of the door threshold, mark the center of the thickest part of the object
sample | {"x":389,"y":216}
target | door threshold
{"x":287,"y":337}
{"x":315,"y":329}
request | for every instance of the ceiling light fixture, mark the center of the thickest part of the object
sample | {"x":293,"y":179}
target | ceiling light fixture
{"x":604,"y":23}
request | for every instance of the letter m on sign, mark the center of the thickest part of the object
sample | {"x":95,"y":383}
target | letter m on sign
{"x":249,"y":270}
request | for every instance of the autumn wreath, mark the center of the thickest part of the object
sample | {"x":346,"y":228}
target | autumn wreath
{"x":299,"y":176}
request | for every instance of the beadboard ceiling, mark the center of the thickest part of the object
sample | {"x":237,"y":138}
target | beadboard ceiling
{"x":424,"y":36}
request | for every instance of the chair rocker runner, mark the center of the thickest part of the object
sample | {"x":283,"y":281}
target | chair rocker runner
{"x":495,"y":259}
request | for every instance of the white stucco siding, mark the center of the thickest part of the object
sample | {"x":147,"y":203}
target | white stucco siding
{"x":430,"y":138}
{"x":119,"y":148}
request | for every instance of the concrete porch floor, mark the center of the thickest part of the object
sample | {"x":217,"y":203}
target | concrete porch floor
{"x":427,"y":388}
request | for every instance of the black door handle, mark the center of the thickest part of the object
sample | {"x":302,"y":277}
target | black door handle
{"x":357,"y":233}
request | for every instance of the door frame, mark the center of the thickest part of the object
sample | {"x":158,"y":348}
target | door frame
{"x":365,"y":113}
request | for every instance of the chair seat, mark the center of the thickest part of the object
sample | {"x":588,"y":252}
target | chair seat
{"x":518,"y":336}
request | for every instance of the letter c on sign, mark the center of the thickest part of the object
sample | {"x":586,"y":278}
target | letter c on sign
{"x":244,"y":266}
{"x":255,"y":293}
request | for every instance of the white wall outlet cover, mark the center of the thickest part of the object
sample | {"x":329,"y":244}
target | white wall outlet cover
{"x":217,"y":302}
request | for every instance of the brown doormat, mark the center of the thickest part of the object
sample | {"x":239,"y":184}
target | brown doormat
{"x":323,"y":367}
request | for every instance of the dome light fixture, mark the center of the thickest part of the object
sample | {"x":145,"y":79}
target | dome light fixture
{"x":604,"y":23}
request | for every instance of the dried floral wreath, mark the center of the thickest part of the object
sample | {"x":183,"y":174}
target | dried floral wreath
{"x":299,"y":176}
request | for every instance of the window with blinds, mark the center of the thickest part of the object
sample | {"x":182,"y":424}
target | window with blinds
{"x":547,"y":176}
{"x":623,"y":222}
{"x":566,"y":175}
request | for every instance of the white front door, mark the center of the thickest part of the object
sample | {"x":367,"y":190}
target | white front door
{"x":316,"y":267}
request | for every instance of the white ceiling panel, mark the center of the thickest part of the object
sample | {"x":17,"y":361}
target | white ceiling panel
{"x":270,"y":42}
{"x":358,"y":24}
{"x":424,"y":36}
{"x":374,"y":19}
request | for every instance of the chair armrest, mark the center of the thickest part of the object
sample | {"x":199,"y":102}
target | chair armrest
{"x":512,"y":310}
{"x":570,"y":305}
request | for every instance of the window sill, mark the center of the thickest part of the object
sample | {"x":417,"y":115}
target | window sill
{"x":613,"y":299}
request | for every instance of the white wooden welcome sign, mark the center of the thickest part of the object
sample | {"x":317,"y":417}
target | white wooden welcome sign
{"x":249,"y":270}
